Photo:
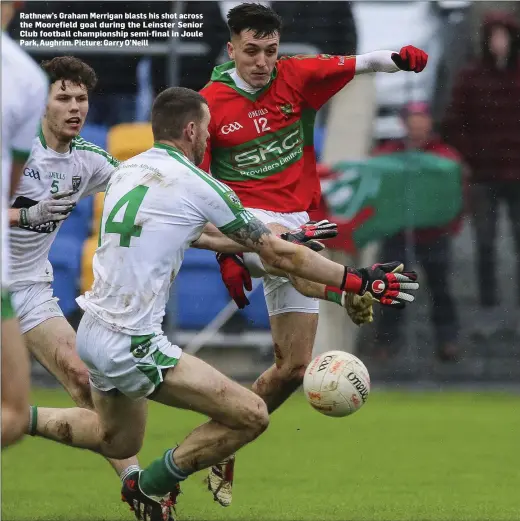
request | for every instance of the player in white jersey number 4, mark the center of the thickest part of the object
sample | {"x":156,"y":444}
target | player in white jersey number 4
{"x":24,"y":90}
{"x":157,"y":204}
{"x":61,"y":169}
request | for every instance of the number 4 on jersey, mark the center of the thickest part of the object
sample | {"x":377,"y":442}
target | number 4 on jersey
{"x":127,"y":227}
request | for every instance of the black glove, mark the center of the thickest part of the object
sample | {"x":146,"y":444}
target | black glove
{"x":311,"y":230}
{"x":387,"y":283}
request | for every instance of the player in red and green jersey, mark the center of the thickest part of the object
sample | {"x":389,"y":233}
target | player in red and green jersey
{"x":262,"y":142}
{"x":261,"y":145}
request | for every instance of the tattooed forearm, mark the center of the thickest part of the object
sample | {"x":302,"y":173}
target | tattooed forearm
{"x":251,"y":235}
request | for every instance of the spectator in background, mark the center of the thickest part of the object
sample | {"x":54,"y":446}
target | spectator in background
{"x":483,"y":123}
{"x":432,"y":248}
{"x":455,"y":38}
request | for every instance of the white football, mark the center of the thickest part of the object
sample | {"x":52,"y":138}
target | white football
{"x":336,"y":383}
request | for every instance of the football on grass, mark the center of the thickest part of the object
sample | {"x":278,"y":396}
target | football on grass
{"x":336,"y":383}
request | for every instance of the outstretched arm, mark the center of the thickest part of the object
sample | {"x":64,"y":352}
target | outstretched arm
{"x":409,"y":58}
{"x":286,"y":256}
{"x":384,"y":282}
{"x":308,"y":234}
{"x":320,"y":77}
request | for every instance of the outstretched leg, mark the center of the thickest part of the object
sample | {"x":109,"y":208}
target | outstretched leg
{"x":53,"y":344}
{"x":237,"y":415}
{"x":15,"y":377}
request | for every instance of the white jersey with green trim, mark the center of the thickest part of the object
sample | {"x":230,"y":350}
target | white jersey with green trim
{"x":156,"y":205}
{"x":24,"y":92}
{"x":85,"y":168}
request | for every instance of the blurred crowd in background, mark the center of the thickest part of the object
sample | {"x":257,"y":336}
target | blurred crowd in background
{"x":465,"y":108}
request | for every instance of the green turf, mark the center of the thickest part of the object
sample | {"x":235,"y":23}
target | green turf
{"x":403,"y":457}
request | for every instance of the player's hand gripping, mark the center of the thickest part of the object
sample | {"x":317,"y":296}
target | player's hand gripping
{"x":359,"y":308}
{"x":311,"y":230}
{"x":57,"y":208}
{"x":387,"y":283}
{"x":236,"y":276}
{"x":410,"y":58}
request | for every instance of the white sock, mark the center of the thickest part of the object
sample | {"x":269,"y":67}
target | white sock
{"x":125,"y":473}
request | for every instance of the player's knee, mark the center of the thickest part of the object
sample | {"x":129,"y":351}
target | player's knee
{"x":297,"y":372}
{"x":293,"y":374}
{"x":121,"y":451}
{"x":78,"y":386}
{"x":115,"y":445}
{"x":14,"y":424}
{"x":19,"y":428}
{"x":256,"y":418}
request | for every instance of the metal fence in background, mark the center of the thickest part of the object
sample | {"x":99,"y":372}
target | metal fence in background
{"x":489,"y":338}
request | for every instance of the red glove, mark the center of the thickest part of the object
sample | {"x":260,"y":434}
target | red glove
{"x":388,"y":283}
{"x":236,"y":277}
{"x":306,"y":234}
{"x":410,"y":58}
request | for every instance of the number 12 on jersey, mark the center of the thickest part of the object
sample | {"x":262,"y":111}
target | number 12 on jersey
{"x":261,"y":125}
{"x":126,"y":228}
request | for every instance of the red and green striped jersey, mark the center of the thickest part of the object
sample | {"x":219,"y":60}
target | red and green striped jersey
{"x":261,"y":144}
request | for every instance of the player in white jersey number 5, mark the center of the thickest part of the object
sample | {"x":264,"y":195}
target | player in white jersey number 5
{"x":156,"y":205}
{"x":61,"y":169}
{"x":24,"y":89}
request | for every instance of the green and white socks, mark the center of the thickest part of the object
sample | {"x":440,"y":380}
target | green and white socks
{"x":158,"y":479}
{"x":161,"y":476}
{"x":129,"y":470}
{"x":33,"y":420}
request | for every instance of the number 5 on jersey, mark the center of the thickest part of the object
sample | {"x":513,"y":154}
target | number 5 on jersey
{"x":126,"y":228}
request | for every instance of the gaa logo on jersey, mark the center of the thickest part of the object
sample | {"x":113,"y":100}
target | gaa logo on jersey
{"x":76,"y":182}
{"x":31,"y":172}
{"x":232,"y":127}
{"x":233,"y":199}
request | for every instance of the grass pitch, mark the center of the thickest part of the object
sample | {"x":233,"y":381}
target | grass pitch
{"x":404,"y":456}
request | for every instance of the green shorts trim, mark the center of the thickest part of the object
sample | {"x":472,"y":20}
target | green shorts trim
{"x":155,"y":366}
{"x":7,"y":306}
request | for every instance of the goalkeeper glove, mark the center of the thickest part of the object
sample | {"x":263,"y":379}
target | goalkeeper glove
{"x":387,"y":283}
{"x":311,"y":230}
{"x":55,"y":209}
{"x":359,"y":309}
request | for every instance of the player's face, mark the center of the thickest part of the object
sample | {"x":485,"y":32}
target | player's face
{"x":500,"y":42}
{"x":201,"y":136}
{"x":419,"y":127}
{"x":67,"y":108}
{"x":8,"y":9}
{"x":254,"y":58}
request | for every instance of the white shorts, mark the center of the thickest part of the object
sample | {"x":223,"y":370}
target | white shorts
{"x":280,"y":295}
{"x":134,"y":365}
{"x":35,"y":304}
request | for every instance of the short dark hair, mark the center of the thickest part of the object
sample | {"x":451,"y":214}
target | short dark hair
{"x":72,"y":69}
{"x":173,"y":109}
{"x":262,"y":20}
